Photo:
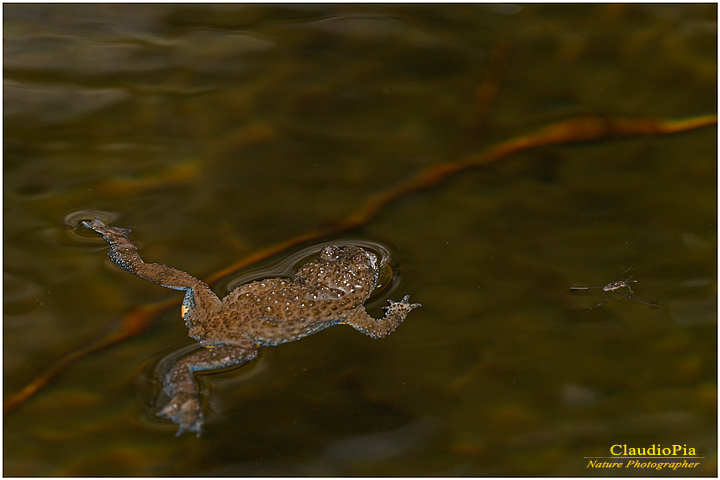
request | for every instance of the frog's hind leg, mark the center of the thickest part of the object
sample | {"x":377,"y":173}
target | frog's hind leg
{"x":200,"y":301}
{"x":395,"y":313}
{"x":179,"y":383}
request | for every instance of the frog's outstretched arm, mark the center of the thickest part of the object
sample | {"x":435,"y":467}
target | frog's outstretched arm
{"x":395,"y":313}
{"x":200,"y":301}
{"x":184,"y":405}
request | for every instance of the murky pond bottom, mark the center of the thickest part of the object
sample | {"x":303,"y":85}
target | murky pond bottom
{"x":214,"y":132}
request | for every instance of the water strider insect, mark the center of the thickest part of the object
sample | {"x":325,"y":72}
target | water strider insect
{"x":614,"y":286}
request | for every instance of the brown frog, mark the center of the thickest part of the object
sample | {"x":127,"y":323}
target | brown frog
{"x":329,"y":291}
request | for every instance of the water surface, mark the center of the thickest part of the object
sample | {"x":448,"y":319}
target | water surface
{"x":215,"y":131}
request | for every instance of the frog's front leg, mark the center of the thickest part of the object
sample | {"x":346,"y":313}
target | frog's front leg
{"x":179,"y":383}
{"x":395,"y":313}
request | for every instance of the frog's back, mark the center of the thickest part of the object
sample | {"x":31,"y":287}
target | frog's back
{"x":279,"y":310}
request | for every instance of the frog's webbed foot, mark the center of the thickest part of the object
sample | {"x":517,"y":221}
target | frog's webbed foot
{"x":109,"y":233}
{"x":395,"y":313}
{"x":186,"y":412}
{"x":402,"y":307}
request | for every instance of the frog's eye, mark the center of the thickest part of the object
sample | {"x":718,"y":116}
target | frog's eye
{"x":183,"y":311}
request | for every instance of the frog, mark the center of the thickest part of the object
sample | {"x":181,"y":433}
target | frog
{"x":328,"y":291}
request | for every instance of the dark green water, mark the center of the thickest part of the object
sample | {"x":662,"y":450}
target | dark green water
{"x":214,"y":131}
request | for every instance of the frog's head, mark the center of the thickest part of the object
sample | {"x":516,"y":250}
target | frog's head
{"x":348,"y":271}
{"x":350,"y":255}
{"x":351,"y":270}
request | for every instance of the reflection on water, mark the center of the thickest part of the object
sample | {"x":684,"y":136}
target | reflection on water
{"x":216,"y":130}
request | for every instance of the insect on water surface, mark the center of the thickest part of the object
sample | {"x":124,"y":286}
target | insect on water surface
{"x":616,"y":285}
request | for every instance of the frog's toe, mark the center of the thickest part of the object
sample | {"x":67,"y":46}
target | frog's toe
{"x":403,"y":304}
{"x":94,"y":224}
{"x":196,"y":427}
{"x":406,"y":300}
{"x":188,"y":415}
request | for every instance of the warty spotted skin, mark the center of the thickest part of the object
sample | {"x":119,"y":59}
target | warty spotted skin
{"x":328,"y":291}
